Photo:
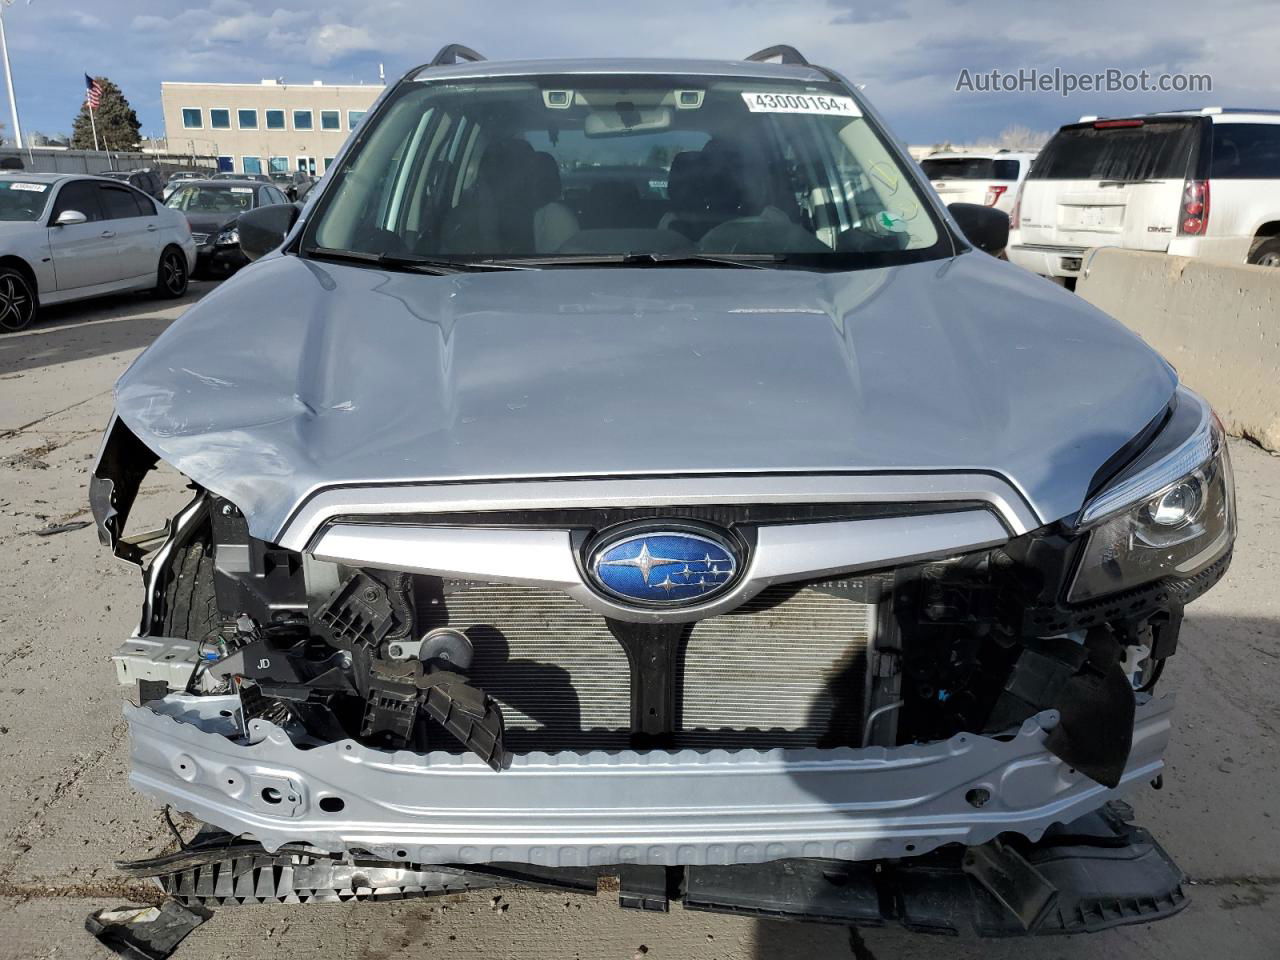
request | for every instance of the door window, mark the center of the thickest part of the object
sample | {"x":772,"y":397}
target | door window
{"x":117,"y":202}
{"x":1246,"y":151}
{"x":80,"y":195}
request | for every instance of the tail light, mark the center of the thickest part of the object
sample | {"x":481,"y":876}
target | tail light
{"x":1193,"y":219}
{"x":1015,"y":215}
{"x":993,"y":195}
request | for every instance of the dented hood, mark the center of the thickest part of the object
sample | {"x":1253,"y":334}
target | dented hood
{"x":298,"y":375}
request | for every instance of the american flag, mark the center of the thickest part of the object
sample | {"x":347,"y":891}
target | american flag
{"x":94,"y":89}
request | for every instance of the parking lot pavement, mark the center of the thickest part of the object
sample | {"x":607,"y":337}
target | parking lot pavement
{"x":66,"y":810}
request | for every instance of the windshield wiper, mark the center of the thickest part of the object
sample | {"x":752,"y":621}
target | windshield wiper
{"x":756,"y":261}
{"x":436,"y":266}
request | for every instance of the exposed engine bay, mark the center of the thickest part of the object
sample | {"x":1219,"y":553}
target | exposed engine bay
{"x":399,"y":661}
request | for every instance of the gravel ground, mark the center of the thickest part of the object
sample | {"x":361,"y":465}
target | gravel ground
{"x":66,"y":810}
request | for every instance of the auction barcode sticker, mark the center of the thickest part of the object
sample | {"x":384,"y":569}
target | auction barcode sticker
{"x":242,"y":189}
{"x":819,"y":103}
{"x":32,"y":187}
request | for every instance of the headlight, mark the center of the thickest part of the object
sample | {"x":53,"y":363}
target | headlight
{"x":228,"y":238}
{"x":1171,"y":519}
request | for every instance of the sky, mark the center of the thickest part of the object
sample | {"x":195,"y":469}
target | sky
{"x":909,"y":54}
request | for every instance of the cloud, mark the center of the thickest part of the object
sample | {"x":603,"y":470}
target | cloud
{"x":909,"y":52}
{"x":333,"y":41}
{"x":868,"y":11}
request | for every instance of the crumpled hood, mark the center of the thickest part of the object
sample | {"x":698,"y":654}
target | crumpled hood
{"x":298,"y":374}
{"x":211,"y":223}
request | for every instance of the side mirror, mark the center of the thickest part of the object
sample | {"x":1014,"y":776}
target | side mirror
{"x":264,"y":229}
{"x":985,"y":227}
{"x":69,"y":218}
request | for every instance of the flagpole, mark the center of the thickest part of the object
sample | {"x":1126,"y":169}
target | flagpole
{"x":8,"y":79}
{"x":93,"y":125}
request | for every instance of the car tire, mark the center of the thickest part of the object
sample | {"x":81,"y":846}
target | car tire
{"x":190,"y":607}
{"x":17,"y":300}
{"x":1266,"y":253}
{"x":172,"y":275}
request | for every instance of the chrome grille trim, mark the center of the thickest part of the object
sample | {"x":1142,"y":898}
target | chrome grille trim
{"x":783,"y":553}
{"x":324,"y":505}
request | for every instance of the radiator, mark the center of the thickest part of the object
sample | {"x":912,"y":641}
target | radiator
{"x":788,"y":668}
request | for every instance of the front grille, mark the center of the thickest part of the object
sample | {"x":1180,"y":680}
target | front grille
{"x":786,"y":669}
{"x":200,"y":239}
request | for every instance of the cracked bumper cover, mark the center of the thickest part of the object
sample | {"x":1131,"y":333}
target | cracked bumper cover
{"x":581,"y":809}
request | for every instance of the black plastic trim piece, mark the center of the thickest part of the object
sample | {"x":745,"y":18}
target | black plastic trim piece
{"x":451,"y":53}
{"x":783,"y":51}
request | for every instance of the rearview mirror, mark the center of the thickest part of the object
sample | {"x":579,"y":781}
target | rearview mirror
{"x":985,"y":227}
{"x":68,"y":218}
{"x":264,"y":229}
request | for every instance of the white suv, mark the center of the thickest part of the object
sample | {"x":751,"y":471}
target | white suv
{"x":1203,"y":183}
{"x":991,"y":179}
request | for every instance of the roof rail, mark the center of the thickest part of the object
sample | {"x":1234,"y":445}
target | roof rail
{"x":451,"y":53}
{"x":782,"y":51}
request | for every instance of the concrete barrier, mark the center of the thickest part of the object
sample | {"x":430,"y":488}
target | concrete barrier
{"x":1218,"y":324}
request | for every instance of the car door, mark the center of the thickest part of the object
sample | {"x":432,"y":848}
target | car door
{"x":137,"y":249}
{"x":84,"y":254}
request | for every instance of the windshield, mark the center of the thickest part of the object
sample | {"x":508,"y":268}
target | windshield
{"x":969,"y":168}
{"x":22,"y":201}
{"x":207,"y":198}
{"x":1124,"y":150}
{"x":619,"y":166}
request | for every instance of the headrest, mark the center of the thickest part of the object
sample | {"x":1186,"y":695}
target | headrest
{"x":684,"y":180}
{"x":506,"y":160}
{"x":546,"y":178}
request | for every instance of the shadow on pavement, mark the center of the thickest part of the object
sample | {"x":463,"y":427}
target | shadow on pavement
{"x":77,"y":331}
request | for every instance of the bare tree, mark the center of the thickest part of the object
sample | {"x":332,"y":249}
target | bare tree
{"x":1018,"y":137}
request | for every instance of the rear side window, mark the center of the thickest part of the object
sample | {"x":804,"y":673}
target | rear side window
{"x":959,"y":168}
{"x":117,"y":202}
{"x":1149,"y":150}
{"x":1004,"y":170}
{"x":1246,"y":151}
{"x":80,"y":195}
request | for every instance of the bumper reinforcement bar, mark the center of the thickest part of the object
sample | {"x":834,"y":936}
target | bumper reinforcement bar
{"x":716,"y":807}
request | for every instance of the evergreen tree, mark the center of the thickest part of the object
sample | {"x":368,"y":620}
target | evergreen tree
{"x":118,"y":126}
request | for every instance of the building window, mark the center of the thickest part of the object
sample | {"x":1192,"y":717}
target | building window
{"x":302,"y":119}
{"x":279,"y":164}
{"x":247,"y":119}
{"x":275,"y":119}
{"x":328,"y":162}
{"x":353,"y":118}
{"x":219,"y":119}
{"x":192,"y":118}
{"x":251,"y":164}
{"x":226,"y":164}
{"x":330,"y":120}
{"x":307,"y":165}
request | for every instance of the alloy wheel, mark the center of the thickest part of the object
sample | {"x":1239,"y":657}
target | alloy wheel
{"x":17,"y":306}
{"x":173,"y":274}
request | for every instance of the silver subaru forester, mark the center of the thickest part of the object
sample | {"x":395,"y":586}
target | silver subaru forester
{"x":630,"y":467}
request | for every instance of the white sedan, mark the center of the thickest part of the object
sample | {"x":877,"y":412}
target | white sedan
{"x":66,"y":237}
